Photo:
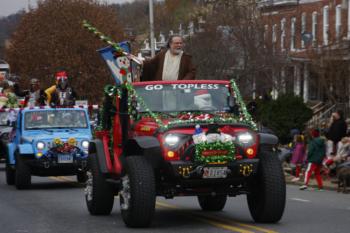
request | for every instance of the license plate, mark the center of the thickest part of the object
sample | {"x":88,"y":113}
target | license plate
{"x":214,"y":172}
{"x":65,"y":159}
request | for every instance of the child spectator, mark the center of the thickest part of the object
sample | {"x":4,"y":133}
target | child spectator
{"x":315,"y":155}
{"x":298,"y":156}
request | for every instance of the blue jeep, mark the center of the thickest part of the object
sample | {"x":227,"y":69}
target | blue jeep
{"x":48,"y":142}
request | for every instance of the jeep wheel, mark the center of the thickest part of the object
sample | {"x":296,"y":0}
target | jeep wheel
{"x":22,"y":175}
{"x":82,"y":176}
{"x":138,"y":193}
{"x":10,"y":174}
{"x":267,"y":196}
{"x":212,"y":203}
{"x":99,"y":194}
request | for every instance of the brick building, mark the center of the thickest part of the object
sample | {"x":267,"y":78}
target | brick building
{"x":311,"y":40}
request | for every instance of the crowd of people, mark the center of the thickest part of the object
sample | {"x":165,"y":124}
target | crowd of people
{"x":321,"y":151}
{"x":59,"y":94}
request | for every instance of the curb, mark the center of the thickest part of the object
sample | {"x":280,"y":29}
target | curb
{"x":331,"y":186}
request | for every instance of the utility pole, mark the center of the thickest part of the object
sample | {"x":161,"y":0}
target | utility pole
{"x":151,"y":22}
{"x":29,"y":5}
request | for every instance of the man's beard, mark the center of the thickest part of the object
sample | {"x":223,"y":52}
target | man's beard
{"x":177,"y":51}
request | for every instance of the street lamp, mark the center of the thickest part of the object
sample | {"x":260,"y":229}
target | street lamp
{"x":151,"y":22}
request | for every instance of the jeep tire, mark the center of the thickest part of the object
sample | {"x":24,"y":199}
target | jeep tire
{"x":267,"y":197}
{"x":81,"y":176}
{"x":138,"y":210}
{"x":22,"y":175}
{"x":212,"y":203}
{"x":99,"y":195}
{"x":10,"y":174}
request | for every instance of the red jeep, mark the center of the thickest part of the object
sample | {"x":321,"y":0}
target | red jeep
{"x":181,"y":138}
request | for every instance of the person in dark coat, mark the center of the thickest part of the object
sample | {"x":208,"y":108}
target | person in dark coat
{"x":337,"y":130}
{"x":169,"y":64}
{"x":61,"y":94}
{"x":35,"y":96}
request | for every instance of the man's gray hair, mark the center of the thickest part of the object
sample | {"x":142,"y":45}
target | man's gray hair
{"x":171,"y":37}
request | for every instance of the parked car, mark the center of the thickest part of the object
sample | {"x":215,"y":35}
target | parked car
{"x":5,"y":132}
{"x":48,"y":142}
{"x":181,"y":138}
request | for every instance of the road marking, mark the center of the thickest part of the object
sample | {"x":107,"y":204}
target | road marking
{"x":219,"y":222}
{"x":212,"y":220}
{"x":66,"y":178}
{"x":230,"y":221}
{"x":299,"y":199}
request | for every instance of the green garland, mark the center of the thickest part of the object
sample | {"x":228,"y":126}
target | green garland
{"x":227,"y":146}
{"x":102,"y":37}
{"x":244,"y":112}
{"x":133,"y":97}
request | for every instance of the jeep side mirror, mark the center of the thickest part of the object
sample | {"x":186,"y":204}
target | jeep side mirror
{"x":234,"y":107}
{"x":231,"y":101}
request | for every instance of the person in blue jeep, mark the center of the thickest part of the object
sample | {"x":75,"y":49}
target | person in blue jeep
{"x":48,"y":142}
{"x":61,"y":94}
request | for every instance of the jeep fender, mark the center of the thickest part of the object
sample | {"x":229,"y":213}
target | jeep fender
{"x":25,"y":149}
{"x":96,"y":147}
{"x":146,"y":146}
{"x":267,"y":139}
{"x":11,"y":153}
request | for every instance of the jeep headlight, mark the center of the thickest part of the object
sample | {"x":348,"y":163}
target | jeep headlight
{"x":40,"y":145}
{"x":171,"y":140}
{"x":85,"y":144}
{"x":245,"y":138}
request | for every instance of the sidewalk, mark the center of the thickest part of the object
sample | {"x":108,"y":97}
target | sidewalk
{"x":328,"y":184}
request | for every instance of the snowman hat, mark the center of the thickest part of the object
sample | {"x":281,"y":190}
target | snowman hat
{"x":201,"y":92}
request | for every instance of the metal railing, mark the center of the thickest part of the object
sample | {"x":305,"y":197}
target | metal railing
{"x":323,"y":113}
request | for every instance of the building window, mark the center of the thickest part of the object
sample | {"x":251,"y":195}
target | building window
{"x":303,"y":28}
{"x":338,"y":22}
{"x":292,"y":34}
{"x":266,"y":28}
{"x":325,"y":24}
{"x":283,"y":33}
{"x":314,"y":28}
{"x":274,"y":33}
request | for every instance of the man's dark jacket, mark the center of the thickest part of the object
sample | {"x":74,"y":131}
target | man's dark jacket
{"x":153,"y":68}
{"x":337,"y":130}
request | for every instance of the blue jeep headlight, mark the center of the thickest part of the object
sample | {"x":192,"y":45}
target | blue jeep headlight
{"x":40,"y":145}
{"x":85,"y":144}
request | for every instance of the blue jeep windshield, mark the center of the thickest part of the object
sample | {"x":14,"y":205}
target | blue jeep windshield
{"x":184,"y":97}
{"x":55,"y":119}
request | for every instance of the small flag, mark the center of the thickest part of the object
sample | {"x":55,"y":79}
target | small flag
{"x":118,"y":63}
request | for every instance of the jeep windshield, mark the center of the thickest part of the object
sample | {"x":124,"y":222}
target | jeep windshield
{"x":55,"y":119}
{"x":182,"y":97}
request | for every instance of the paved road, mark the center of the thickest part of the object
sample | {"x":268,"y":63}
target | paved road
{"x":56,"y":205}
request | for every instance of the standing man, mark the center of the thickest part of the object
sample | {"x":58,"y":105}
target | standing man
{"x":337,"y":129}
{"x":35,"y":95}
{"x":169,"y":64}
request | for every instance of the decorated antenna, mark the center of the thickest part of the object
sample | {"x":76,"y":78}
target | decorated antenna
{"x":116,"y":55}
{"x":109,"y":41}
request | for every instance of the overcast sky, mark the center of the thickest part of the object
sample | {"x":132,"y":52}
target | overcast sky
{"x":8,"y":7}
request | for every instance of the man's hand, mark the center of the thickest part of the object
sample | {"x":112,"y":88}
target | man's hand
{"x":135,"y":59}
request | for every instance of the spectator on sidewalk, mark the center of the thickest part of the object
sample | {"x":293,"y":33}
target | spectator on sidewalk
{"x":315,"y":155}
{"x":336,"y":131}
{"x":298,"y":156}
